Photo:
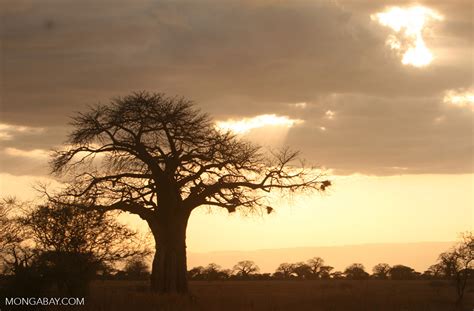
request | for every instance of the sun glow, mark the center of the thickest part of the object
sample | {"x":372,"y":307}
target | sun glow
{"x":245,"y":125}
{"x":409,"y":25}
{"x":460,"y":98}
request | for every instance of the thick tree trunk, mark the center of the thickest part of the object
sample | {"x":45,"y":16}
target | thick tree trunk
{"x":169,"y":269}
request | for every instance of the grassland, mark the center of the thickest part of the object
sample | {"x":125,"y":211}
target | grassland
{"x":331,"y":295}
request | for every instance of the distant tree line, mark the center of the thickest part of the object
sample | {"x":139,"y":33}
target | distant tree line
{"x":315,"y":269}
{"x":455,"y":266}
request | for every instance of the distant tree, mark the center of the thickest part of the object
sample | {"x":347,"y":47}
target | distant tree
{"x":434,"y":272}
{"x":284,"y":271}
{"x":212,"y":268}
{"x":213,"y":272}
{"x":325,"y":272}
{"x":5,"y":225}
{"x":160,"y":158}
{"x":16,"y":256}
{"x":458,"y":263}
{"x":10,"y":231}
{"x":196,"y":273}
{"x":381,"y":271}
{"x":447,"y":264}
{"x":315,"y":265}
{"x":245,"y":268}
{"x":225,"y":274}
{"x":301,"y":270}
{"x":356,"y":271}
{"x":401,"y":272}
{"x":136,"y":268}
{"x":337,"y":275}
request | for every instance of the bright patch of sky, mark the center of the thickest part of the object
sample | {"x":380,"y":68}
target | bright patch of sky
{"x":460,"y":98}
{"x":409,"y":25}
{"x":241,"y":126}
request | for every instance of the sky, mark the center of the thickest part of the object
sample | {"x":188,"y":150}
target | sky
{"x":379,"y":93}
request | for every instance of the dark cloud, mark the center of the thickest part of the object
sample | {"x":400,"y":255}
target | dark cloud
{"x":376,"y":135}
{"x":243,"y":58}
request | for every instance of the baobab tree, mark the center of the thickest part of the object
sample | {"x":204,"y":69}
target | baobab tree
{"x":285,"y":271}
{"x":245,"y":268}
{"x":315,"y":264}
{"x":356,"y":271}
{"x":381,"y":271}
{"x":302,"y":270}
{"x":160,"y":158}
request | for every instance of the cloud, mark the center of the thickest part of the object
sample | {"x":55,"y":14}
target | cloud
{"x":241,"y":59}
{"x":301,"y":105}
{"x":460,"y":98}
{"x":210,"y":51}
{"x":34,"y":153}
{"x":21,"y":162}
{"x":268,"y":130}
{"x":8,"y":131}
{"x":374,"y":135}
{"x":245,"y":125}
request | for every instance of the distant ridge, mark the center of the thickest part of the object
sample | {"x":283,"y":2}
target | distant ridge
{"x":418,"y":255}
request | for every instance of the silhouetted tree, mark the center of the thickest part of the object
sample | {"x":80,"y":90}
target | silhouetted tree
{"x":16,"y":256}
{"x":5,"y":225}
{"x":70,"y":245}
{"x":196,"y":273}
{"x":245,"y":269}
{"x":381,"y":271}
{"x":284,"y":271}
{"x":315,"y":265}
{"x":312,"y":269}
{"x":301,"y":270}
{"x":356,"y":271}
{"x":160,"y":158}
{"x":10,"y":231}
{"x":317,"y":268}
{"x":325,"y":272}
{"x":213,"y":272}
{"x":434,"y":272}
{"x":401,"y":272}
{"x":66,"y":228}
{"x":337,"y":275}
{"x":23,"y":277}
{"x":458,"y":264}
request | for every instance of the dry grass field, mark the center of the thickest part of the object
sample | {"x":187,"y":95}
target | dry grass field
{"x":331,"y":295}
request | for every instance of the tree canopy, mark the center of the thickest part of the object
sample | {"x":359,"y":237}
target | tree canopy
{"x":144,"y":147}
